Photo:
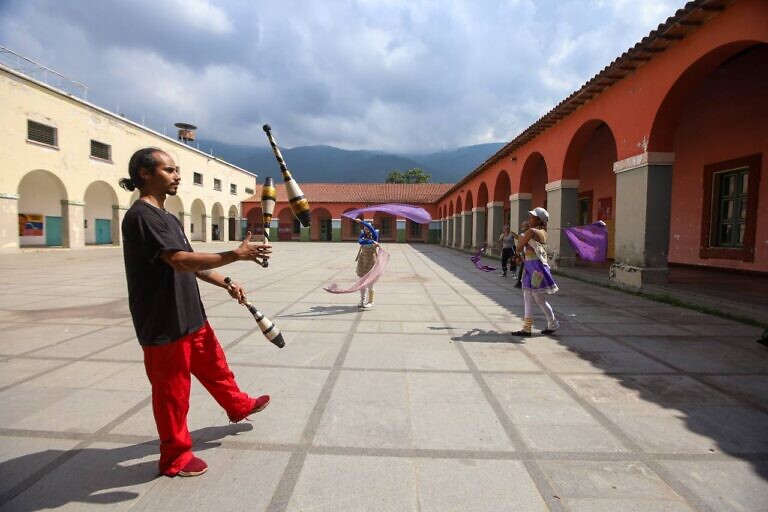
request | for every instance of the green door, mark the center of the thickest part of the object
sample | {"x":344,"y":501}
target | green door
{"x":103,"y":231}
{"x":52,"y":230}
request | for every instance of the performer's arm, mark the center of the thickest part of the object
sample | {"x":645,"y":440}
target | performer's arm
{"x":184,"y":261}
{"x":215,"y":278}
{"x":523,"y":240}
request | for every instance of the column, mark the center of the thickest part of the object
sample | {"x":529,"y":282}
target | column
{"x":400,"y":234}
{"x":435,"y":228}
{"x":495,"y":225}
{"x":449,"y":232}
{"x":186,"y":221}
{"x":73,"y":227}
{"x":562,"y":205}
{"x":243,"y":228}
{"x":205,"y":233}
{"x":519,"y":206}
{"x":466,"y":230}
{"x":457,"y":228}
{"x":643,"y":202}
{"x":9,"y":221}
{"x":478,"y":226}
{"x":304,"y":234}
{"x":443,"y":231}
{"x":118,"y":214}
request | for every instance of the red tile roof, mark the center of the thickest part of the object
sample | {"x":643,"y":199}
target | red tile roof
{"x":415,"y":193}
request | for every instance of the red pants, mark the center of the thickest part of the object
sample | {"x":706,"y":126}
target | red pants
{"x":169,"y":368}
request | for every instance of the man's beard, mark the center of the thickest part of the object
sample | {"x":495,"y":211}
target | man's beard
{"x":172,"y":192}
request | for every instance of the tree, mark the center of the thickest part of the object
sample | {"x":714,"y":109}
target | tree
{"x":415,"y":175}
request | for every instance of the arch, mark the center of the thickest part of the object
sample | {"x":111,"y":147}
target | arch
{"x":534,"y":178}
{"x":662,"y":133}
{"x":100,"y":215}
{"x":482,"y":195}
{"x":502,"y":188}
{"x":722,"y":129}
{"x":174,"y":205}
{"x":440,"y":212}
{"x":469,"y":204}
{"x":321,"y":225}
{"x":387,"y":226}
{"x":459,"y":207}
{"x":288,"y":227}
{"x":255,"y":221}
{"x":348,"y":227}
{"x":217,"y":222}
{"x":232,"y":222}
{"x":577,"y":144}
{"x":197,"y":227}
{"x":450,"y":208}
{"x":41,"y":216}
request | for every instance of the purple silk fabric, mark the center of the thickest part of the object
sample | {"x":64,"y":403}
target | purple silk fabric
{"x":373,"y":275}
{"x":590,"y":242}
{"x":481,"y":266}
{"x":414,"y":213}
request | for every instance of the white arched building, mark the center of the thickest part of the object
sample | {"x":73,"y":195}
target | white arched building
{"x":61,"y":160}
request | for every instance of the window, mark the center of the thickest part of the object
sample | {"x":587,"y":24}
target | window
{"x":730,"y":209}
{"x":197,"y":179}
{"x":415,"y":229}
{"x":42,"y":133}
{"x":249,"y":191}
{"x":233,"y":189}
{"x":386,"y":227}
{"x":216,"y":184}
{"x":101,"y":150}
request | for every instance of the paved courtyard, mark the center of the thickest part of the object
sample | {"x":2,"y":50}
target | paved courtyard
{"x":424,"y":403}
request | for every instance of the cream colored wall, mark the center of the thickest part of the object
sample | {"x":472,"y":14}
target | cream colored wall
{"x":77,"y":123}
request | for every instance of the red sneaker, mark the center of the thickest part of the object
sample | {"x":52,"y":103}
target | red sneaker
{"x":194,"y":467}
{"x":259,"y":405}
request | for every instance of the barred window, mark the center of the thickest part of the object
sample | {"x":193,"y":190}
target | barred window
{"x":42,"y":133}
{"x":248,"y":190}
{"x":386,"y":227}
{"x":101,"y":150}
{"x":415,"y":229}
{"x":197,"y":178}
{"x":233,"y":189}
{"x":731,"y":207}
{"x":216,"y":184}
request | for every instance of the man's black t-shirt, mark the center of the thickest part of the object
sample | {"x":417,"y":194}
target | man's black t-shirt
{"x":165,"y":304}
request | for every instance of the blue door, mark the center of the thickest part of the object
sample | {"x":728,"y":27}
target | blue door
{"x":52,"y":230}
{"x":103,"y":231}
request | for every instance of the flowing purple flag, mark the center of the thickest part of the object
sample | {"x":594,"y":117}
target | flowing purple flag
{"x":476,"y":260}
{"x":414,"y":213}
{"x":590,"y":242}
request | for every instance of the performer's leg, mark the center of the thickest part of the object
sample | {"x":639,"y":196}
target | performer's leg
{"x":168,"y":370}
{"x":504,"y":261}
{"x":209,"y":365}
{"x":552,"y":323}
{"x":370,"y":295}
{"x":527,"y":314}
{"x":362,"y":298}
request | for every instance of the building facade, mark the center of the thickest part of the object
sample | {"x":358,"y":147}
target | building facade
{"x":668,"y":145}
{"x":329,"y":201}
{"x":61,"y":160}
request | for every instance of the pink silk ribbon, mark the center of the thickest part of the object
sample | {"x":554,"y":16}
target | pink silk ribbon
{"x":373,"y":275}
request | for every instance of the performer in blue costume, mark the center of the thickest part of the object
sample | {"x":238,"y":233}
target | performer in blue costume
{"x":366,"y":259}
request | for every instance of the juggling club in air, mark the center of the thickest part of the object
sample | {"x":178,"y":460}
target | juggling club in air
{"x":299,"y":203}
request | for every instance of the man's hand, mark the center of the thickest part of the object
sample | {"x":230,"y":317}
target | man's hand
{"x":357,"y":219}
{"x":252,"y":251}
{"x":236,"y":292}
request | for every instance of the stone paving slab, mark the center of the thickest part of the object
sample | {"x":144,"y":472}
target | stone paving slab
{"x":424,"y":403}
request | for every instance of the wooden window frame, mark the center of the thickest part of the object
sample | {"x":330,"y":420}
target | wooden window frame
{"x":709,"y":209}
{"x":202,"y":180}
{"x":96,"y":143}
{"x":54,"y":132}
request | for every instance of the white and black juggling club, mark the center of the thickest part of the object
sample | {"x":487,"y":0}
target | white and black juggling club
{"x":268,"y":329}
{"x":299,"y":203}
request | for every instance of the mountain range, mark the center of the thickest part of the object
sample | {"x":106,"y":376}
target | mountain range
{"x":327,"y":164}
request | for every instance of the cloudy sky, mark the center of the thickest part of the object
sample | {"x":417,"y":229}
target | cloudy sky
{"x":358,"y":74}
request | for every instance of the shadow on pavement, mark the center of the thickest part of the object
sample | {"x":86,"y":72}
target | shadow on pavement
{"x":735,"y":421}
{"x":90,"y":475}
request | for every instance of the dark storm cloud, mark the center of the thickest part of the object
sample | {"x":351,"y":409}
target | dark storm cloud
{"x":404,"y":76}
